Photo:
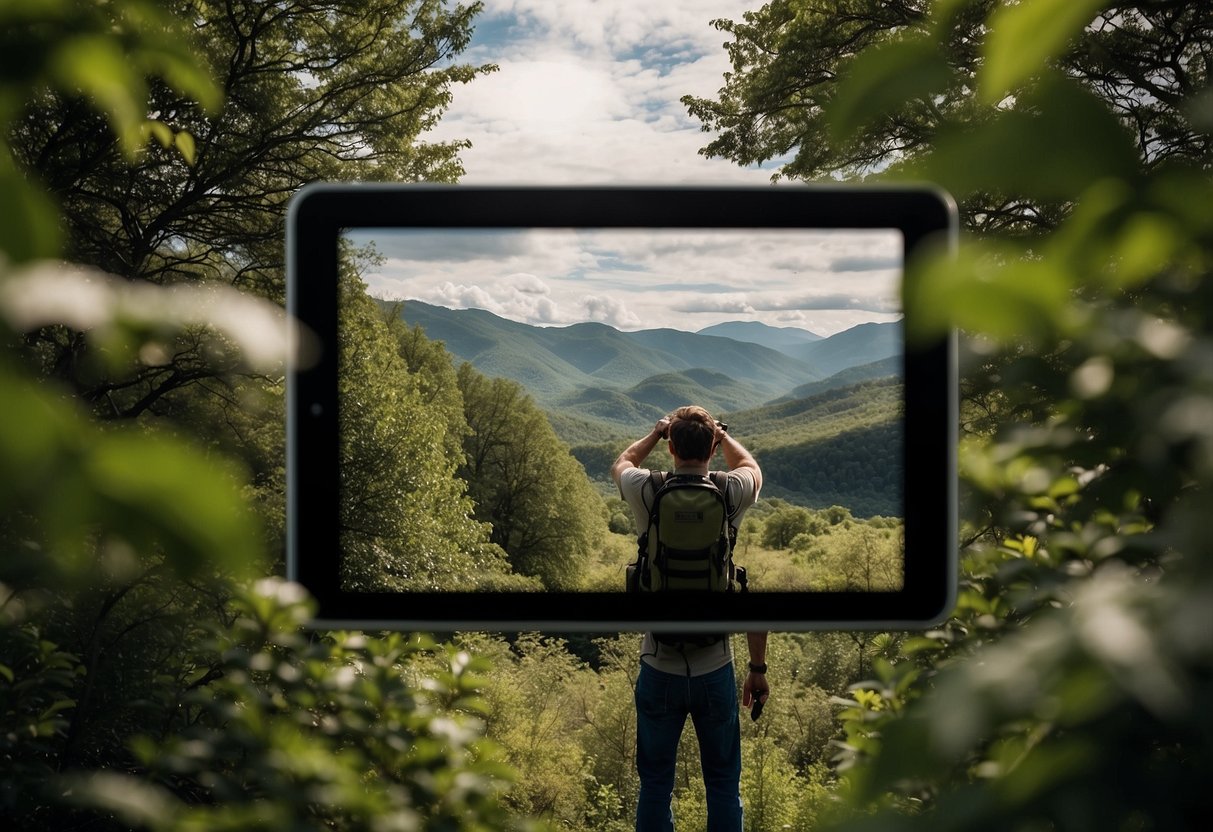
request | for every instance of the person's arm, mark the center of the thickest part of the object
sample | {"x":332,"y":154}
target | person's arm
{"x":756,"y":683}
{"x":639,"y":450}
{"x":736,"y":456}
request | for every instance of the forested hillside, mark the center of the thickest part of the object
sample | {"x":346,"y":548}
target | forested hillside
{"x":154,"y":674}
{"x":828,"y":441}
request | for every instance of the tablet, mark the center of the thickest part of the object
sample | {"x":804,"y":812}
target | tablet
{"x":586,"y":314}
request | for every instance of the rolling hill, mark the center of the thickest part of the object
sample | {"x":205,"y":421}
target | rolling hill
{"x":822,"y":415}
{"x":755,"y":332}
{"x":840,"y":445}
{"x":557,"y":361}
{"x":860,"y":344}
{"x":884,"y":368}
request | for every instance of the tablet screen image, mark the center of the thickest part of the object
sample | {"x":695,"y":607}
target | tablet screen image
{"x":792,"y":337}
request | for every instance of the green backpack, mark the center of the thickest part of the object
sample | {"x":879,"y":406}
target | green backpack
{"x":688,"y":544}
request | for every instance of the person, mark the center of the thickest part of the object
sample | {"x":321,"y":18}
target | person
{"x":680,"y":680}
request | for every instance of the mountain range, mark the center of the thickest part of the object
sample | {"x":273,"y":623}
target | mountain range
{"x":613,"y":374}
{"x":822,"y":413}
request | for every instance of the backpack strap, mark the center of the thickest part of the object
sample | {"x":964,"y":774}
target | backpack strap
{"x":720,"y":479}
{"x":656,"y":480}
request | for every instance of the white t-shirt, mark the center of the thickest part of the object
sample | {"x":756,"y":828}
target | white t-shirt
{"x":637,"y":492}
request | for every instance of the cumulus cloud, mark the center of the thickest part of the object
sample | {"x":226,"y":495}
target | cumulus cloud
{"x":462,"y":297}
{"x":609,"y":310}
{"x":519,"y":297}
{"x":527,"y":284}
{"x":521,"y":305}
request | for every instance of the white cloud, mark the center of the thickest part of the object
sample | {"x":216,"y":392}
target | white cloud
{"x":527,"y":284}
{"x":634,"y":279}
{"x":609,"y":310}
{"x":461,"y":297}
{"x":735,"y":304}
{"x":588,"y":92}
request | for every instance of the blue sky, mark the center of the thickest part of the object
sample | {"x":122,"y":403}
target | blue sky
{"x":588,"y":93}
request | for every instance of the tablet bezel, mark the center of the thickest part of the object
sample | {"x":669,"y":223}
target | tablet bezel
{"x":318,"y":216}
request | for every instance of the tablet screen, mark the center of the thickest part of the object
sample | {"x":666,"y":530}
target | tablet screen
{"x":549,"y":341}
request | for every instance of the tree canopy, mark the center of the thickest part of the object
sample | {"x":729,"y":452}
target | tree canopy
{"x":1072,"y":659}
{"x":810,"y":92}
{"x":146,"y":679}
{"x":303,"y":91}
{"x":527,"y":484}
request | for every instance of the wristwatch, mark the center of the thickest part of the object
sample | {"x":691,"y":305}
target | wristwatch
{"x":758,"y":668}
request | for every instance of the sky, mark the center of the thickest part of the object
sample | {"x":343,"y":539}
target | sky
{"x":588,"y":93}
{"x":686,"y":279}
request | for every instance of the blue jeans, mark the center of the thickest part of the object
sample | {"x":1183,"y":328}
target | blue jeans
{"x":663,"y":702}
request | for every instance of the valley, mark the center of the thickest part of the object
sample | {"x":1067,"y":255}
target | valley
{"x":821,"y":415}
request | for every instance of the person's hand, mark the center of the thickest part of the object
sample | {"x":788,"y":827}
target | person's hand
{"x":662,"y":428}
{"x":755,"y":692}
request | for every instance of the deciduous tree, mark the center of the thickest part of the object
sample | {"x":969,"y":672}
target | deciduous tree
{"x":304,"y":90}
{"x":526,"y":483}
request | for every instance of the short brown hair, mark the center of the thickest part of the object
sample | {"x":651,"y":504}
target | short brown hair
{"x":693,"y":433}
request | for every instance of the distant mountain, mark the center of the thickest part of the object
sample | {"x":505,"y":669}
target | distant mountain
{"x":553,"y":362}
{"x":755,"y":332}
{"x":858,"y":345}
{"x":890,"y":367}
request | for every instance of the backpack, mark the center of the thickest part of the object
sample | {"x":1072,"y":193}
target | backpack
{"x":688,"y":544}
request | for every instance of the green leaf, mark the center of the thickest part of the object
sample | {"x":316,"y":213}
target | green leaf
{"x":185,"y":146}
{"x":1061,"y":141}
{"x":29,"y":219}
{"x":1024,"y":37}
{"x":97,"y":66}
{"x":56,"y":707}
{"x":32,"y":432}
{"x":988,"y":290}
{"x":162,"y":490}
{"x":1146,"y":245}
{"x":880,"y":81}
{"x":184,"y":73}
{"x":159,"y":131}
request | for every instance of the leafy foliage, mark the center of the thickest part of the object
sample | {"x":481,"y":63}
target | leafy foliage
{"x":524,"y":481}
{"x":135,"y":655}
{"x":1081,"y":642}
{"x":144,"y":680}
{"x":405,"y":517}
{"x":311,"y":90}
{"x":342,"y":732}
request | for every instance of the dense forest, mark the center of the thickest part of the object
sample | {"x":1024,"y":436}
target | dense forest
{"x":153,"y":672}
